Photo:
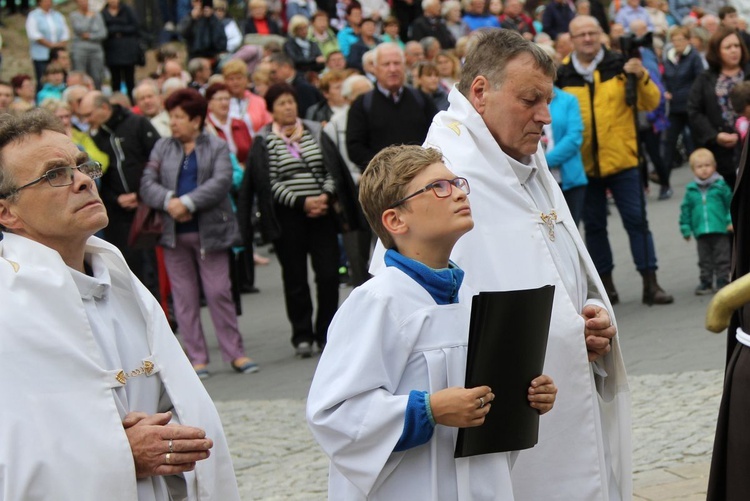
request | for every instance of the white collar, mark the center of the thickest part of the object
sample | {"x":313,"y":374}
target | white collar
{"x":96,"y":286}
{"x":524,"y":171}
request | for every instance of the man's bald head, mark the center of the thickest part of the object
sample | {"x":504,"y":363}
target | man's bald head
{"x":95,"y":109}
{"x":638,"y":27}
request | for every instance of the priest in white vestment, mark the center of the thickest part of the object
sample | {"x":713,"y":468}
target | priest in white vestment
{"x":98,"y":399}
{"x":525,"y":237}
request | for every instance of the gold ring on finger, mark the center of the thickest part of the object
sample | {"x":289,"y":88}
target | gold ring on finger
{"x":169,"y":458}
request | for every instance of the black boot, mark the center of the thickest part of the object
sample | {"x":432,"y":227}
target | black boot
{"x":652,"y":293}
{"x":609,"y":286}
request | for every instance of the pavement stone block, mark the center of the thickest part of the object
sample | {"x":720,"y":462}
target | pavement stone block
{"x":684,"y":489}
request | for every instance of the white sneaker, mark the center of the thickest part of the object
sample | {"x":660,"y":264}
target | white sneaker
{"x":303,"y":350}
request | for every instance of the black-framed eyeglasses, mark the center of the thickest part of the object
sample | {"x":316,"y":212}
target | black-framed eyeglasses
{"x":442,"y":189}
{"x":61,"y":176}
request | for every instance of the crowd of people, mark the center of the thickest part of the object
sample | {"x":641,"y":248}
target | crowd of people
{"x":262,"y":133}
{"x":693,"y":56}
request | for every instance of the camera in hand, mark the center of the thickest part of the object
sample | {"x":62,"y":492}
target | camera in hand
{"x":630,"y":44}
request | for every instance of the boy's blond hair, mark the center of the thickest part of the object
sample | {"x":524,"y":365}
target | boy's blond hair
{"x":701,"y":154}
{"x":385,"y":180}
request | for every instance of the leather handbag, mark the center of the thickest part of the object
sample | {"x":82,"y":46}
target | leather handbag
{"x":147,"y":227}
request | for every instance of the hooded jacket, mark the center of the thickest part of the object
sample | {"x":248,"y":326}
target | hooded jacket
{"x":705,"y":211}
{"x":610,"y":142}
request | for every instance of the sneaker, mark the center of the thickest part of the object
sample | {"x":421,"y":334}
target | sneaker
{"x":303,"y":350}
{"x":665,"y":193}
{"x":202,"y":371}
{"x":245,"y":365}
{"x":704,"y":289}
{"x":721,"y":283}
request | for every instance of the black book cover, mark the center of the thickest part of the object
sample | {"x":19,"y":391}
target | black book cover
{"x":507,"y":343}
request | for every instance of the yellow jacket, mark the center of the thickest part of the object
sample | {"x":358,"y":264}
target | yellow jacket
{"x":609,"y":132}
{"x":83,"y":140}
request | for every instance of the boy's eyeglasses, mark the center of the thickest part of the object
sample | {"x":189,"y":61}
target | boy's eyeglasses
{"x":442,"y":189}
{"x":61,"y":176}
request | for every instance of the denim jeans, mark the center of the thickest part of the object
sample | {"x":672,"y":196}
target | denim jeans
{"x":627,"y":192}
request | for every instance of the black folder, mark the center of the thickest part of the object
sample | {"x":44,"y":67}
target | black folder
{"x":507,"y":343}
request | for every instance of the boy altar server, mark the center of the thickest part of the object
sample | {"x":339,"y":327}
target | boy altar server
{"x":525,"y":238}
{"x":387,"y":398}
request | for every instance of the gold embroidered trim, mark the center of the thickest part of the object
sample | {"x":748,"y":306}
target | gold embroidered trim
{"x":549,"y":221}
{"x":147,"y":368}
{"x":454,"y":127}
{"x":15,"y":265}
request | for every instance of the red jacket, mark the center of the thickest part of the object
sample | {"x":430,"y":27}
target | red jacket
{"x":240,"y":135}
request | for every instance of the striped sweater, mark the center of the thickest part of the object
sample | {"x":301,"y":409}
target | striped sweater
{"x":292,"y":179}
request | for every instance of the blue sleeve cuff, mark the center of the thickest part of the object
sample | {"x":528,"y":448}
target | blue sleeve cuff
{"x":418,"y":422}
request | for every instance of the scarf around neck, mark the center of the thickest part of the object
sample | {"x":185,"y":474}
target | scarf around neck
{"x":587,"y":72}
{"x":291,"y":135}
{"x":442,"y":284}
{"x":706,"y":183}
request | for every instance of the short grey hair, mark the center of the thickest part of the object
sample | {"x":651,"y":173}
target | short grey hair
{"x":72,"y":90}
{"x":195,"y":65}
{"x":448,"y":6}
{"x":491,"y":51}
{"x":147,"y":82}
{"x":348,"y":86}
{"x":428,"y":42}
{"x":172,"y":84}
{"x":378,"y":49}
{"x":368,"y":57}
{"x":19,"y":128}
{"x":427,"y":3}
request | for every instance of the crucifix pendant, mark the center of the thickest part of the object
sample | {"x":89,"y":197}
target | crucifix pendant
{"x":549,"y":221}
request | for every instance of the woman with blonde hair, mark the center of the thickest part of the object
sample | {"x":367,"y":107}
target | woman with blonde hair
{"x":305,"y":53}
{"x":449,"y":69}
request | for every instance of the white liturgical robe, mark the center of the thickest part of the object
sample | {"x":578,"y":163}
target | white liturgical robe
{"x":387,"y":339}
{"x":64,"y":393}
{"x":584,"y":450}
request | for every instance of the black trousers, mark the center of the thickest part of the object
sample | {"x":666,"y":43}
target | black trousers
{"x":302,"y":236}
{"x":678,"y":124}
{"x":357,"y":245}
{"x":651,"y":142}
{"x":13,"y":8}
{"x":123,"y":74}
{"x":142,"y":262}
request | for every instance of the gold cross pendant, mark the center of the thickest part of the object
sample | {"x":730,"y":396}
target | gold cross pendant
{"x":549,"y":221}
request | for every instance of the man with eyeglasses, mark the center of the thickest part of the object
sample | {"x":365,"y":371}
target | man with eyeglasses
{"x":596,"y":76}
{"x":525,"y":237}
{"x":98,"y":398}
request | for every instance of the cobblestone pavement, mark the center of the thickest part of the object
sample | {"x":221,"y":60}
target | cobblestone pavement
{"x":673,"y":424}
